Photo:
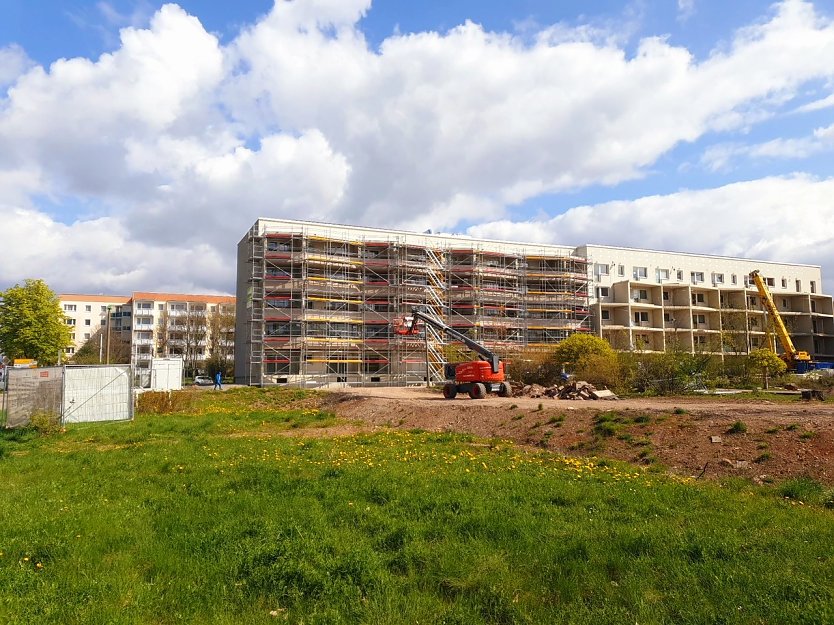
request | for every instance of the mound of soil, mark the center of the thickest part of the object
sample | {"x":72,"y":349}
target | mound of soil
{"x":700,"y":437}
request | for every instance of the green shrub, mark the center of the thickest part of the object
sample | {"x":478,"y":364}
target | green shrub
{"x":803,"y":489}
{"x":165,"y":402}
{"x":738,"y":427}
{"x":46,"y":422}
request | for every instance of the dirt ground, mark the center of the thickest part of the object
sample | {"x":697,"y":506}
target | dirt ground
{"x":782,"y":439}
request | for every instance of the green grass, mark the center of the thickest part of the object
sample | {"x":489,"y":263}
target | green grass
{"x":212,"y":515}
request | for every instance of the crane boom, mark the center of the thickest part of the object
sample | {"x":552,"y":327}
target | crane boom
{"x":476,"y":347}
{"x":791,"y":353}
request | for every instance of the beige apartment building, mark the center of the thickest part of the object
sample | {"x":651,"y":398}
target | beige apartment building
{"x":653,"y":301}
{"x":85,"y":314}
{"x":164,"y":325}
{"x":156,"y":325}
{"x":317,"y":301}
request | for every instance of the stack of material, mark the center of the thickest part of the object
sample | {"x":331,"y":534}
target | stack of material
{"x":571,"y":390}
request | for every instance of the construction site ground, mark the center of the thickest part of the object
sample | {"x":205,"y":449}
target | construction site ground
{"x":772,"y":441}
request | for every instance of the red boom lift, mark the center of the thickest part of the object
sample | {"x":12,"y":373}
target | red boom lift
{"x":477,"y":377}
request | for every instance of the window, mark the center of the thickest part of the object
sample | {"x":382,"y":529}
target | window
{"x":700,"y":340}
{"x":680,"y":275}
{"x":71,"y":350}
{"x":640,"y":273}
{"x":697,"y":298}
{"x":602,"y":291}
{"x":813,"y":306}
{"x":88,"y":308}
{"x":699,"y":319}
{"x":813,"y":287}
{"x":784,"y":283}
{"x":662,"y":274}
{"x":770,"y":281}
{"x":86,"y":335}
{"x":752,"y":300}
{"x":161,"y":307}
{"x":734,"y":279}
{"x":87,"y":322}
{"x":667,"y":317}
{"x":665,"y":296}
{"x":785,"y":304}
{"x":620,"y":270}
{"x":696,"y":276}
{"x":643,"y":294}
{"x":641,"y":317}
{"x":799,"y":286}
{"x":104,"y":309}
{"x":69,"y":307}
{"x":600,"y":269}
{"x":754,"y":323}
{"x":70,"y":322}
{"x":718,"y":278}
{"x":605,"y":315}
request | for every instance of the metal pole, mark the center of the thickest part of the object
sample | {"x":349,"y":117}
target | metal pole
{"x":428,"y":376}
{"x":109,"y":322}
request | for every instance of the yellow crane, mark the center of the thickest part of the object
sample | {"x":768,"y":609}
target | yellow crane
{"x":794,"y":358}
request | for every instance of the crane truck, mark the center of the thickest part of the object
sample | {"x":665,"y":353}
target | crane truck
{"x":796,"y":360}
{"x":476,"y":377}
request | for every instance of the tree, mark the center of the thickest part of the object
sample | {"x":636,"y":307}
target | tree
{"x":94,"y":350}
{"x":221,"y":340}
{"x":32,"y":324}
{"x":766,"y":362}
{"x":578,"y":347}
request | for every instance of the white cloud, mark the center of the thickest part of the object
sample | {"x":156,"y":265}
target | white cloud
{"x":13,"y":63}
{"x":175,"y":137}
{"x":721,"y":157}
{"x":780,"y":218}
{"x":686,"y":9}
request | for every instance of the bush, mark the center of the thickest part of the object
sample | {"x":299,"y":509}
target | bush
{"x":601,"y":370}
{"x":46,"y":422}
{"x":577,"y":348}
{"x":165,"y":402}
{"x":738,"y":427}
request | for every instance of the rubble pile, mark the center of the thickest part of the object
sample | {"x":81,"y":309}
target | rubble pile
{"x":577,"y":389}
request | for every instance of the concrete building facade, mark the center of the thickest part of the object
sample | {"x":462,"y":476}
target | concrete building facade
{"x":156,"y":325}
{"x":317,"y":301}
{"x":654,"y":301}
{"x":85,"y":314}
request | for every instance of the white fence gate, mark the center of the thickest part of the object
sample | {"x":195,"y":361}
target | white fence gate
{"x":97,"y":393}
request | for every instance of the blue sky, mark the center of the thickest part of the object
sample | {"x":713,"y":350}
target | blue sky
{"x":168,"y":129}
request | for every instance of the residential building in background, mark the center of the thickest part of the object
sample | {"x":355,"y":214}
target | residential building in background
{"x":192,"y":327}
{"x":157,"y":325}
{"x":85,"y":314}
{"x":317,"y":301}
{"x":654,"y":301}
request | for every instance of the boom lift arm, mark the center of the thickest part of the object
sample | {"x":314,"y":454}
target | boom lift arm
{"x":477,"y":377}
{"x":483,"y":352}
{"x":792,"y":355}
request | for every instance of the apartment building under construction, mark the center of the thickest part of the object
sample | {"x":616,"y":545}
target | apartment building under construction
{"x":316,"y":302}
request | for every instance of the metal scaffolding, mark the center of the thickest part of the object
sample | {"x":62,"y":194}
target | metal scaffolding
{"x":322,"y":306}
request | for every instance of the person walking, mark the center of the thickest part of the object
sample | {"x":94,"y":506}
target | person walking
{"x":218,"y":379}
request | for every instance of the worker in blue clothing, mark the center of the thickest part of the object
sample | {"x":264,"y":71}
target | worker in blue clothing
{"x":218,"y":379}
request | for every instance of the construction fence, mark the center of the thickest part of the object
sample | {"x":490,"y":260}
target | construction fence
{"x":67,"y":394}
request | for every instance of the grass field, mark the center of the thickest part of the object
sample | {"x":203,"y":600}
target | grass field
{"x":211,"y":514}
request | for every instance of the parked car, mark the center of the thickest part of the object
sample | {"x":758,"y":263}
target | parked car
{"x":203,"y":380}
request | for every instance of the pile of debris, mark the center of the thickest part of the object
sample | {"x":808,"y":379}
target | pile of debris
{"x":577,"y":389}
